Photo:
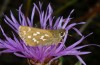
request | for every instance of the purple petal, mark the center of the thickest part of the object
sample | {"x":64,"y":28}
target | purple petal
{"x":78,"y":31}
{"x":20,"y":55}
{"x":32,"y":16}
{"x":75,"y":44}
{"x":67,"y":20}
{"x":80,"y":59}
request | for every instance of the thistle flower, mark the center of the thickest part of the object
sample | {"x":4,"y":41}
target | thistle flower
{"x":41,"y":54}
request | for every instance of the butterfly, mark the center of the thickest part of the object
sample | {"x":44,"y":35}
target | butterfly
{"x":36,"y":36}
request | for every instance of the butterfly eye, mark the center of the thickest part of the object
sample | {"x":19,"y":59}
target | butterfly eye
{"x":61,"y":33}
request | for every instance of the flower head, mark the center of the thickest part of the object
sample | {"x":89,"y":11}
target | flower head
{"x":41,"y":54}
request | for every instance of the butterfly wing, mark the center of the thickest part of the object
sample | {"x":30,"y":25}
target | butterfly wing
{"x":34,"y":36}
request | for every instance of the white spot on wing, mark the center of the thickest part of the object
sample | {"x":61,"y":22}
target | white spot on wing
{"x":42,"y":38}
{"x":38,"y":32}
{"x":34,"y":34}
{"x":46,"y":35}
{"x":34,"y":39}
{"x":29,"y":36}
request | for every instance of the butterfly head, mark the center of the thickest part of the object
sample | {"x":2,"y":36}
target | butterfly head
{"x":60,"y":33}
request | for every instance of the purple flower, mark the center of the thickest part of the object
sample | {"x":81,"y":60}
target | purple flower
{"x":40,"y":54}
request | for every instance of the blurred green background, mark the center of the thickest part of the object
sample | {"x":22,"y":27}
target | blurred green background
{"x":85,"y":10}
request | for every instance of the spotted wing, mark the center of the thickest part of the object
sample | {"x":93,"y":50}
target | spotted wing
{"x":34,"y":36}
